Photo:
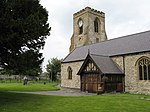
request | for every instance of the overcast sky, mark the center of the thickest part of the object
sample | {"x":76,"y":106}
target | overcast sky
{"x":123,"y":17}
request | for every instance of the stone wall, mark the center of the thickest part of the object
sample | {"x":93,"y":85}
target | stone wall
{"x":132,"y":82}
{"x":75,"y":81}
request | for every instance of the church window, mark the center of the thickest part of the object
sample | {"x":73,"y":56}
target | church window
{"x":144,"y":69}
{"x":145,"y":72}
{"x":140,"y":72}
{"x":80,"y":23}
{"x":96,"y":25}
{"x":149,"y":72}
{"x":69,"y":72}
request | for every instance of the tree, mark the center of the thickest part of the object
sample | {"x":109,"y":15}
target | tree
{"x":23,"y":30}
{"x":27,"y":63}
{"x":53,"y":68}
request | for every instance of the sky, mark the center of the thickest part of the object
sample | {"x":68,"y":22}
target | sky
{"x":122,"y":17}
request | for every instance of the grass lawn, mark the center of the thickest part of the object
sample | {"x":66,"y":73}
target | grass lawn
{"x":19,"y":102}
{"x":29,"y":87}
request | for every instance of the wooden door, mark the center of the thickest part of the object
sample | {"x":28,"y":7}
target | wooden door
{"x":90,"y":82}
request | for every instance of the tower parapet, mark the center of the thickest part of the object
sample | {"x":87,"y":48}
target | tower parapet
{"x":89,"y":9}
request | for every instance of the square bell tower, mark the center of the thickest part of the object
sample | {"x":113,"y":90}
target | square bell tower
{"x":88,"y":28}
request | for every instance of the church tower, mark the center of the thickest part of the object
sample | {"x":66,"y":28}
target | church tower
{"x":88,"y":28}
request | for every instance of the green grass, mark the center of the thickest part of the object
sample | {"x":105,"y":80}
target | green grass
{"x":19,"y":102}
{"x":17,"y":81}
{"x":29,"y":87}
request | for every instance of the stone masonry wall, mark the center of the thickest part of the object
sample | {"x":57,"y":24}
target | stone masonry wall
{"x":75,"y":81}
{"x":132,"y":82}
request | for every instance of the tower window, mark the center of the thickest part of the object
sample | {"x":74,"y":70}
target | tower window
{"x":96,"y":26}
{"x":80,"y":23}
{"x":81,"y":30}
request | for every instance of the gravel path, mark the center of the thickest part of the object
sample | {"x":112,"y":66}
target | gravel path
{"x":63,"y":92}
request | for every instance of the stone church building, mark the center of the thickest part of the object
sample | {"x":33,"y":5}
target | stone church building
{"x":96,"y":64}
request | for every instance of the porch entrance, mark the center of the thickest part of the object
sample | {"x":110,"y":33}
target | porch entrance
{"x":100,"y":74}
{"x":90,"y":82}
{"x":95,"y":82}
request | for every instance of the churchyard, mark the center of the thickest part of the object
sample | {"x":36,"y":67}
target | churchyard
{"x":31,"y":86}
{"x":23,"y":102}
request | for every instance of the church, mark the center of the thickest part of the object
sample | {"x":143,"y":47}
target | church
{"x":97,"y":65}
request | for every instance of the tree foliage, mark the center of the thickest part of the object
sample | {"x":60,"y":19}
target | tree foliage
{"x":27,"y":63}
{"x":53,"y":68}
{"x":23,"y":30}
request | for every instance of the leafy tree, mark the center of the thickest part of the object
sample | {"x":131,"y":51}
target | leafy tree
{"x":27,"y":63}
{"x":53,"y":68}
{"x":6,"y":72}
{"x":23,"y":30}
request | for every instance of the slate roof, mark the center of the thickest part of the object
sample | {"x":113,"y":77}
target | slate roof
{"x":106,"y":64}
{"x":129,"y":44}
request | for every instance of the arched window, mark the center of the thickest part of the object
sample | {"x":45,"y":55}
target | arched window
{"x":80,"y":24}
{"x":81,"y":29}
{"x":149,"y":72}
{"x":69,"y":72}
{"x":140,"y":72}
{"x":144,"y":68}
{"x":96,"y":25}
{"x":145,"y":72}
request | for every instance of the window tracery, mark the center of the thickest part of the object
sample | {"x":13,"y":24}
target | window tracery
{"x":144,"y":69}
